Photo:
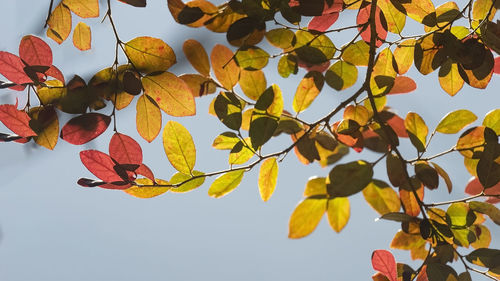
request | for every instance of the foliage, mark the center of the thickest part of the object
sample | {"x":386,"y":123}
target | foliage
{"x":459,"y":42}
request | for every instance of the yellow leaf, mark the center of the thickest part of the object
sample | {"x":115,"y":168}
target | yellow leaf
{"x":341,"y":75}
{"x":356,"y":53}
{"x":82,"y":37}
{"x":358,"y":113}
{"x":179,"y":147}
{"x":197,"y":56}
{"x":276,"y":107}
{"x":395,"y":19}
{"x":46,"y":124}
{"x":268,"y":176}
{"x":150,"y":54}
{"x":240,"y":153}
{"x":225,"y":183}
{"x":409,"y":201}
{"x":147,"y":191}
{"x":403,"y":55}
{"x":306,"y":217}
{"x":83,"y":8}
{"x":59,"y":23}
{"x":383,"y":75}
{"x":422,"y":11}
{"x":449,"y":78}
{"x":206,"y":7}
{"x":224,"y":66}
{"x":188,"y":185}
{"x":483,"y":236}
{"x":492,"y":120}
{"x":482,"y":9}
{"x":148,"y":118}
{"x":199,"y":85}
{"x":171,"y":94}
{"x":338,"y":213}
{"x":315,"y":186}
{"x":253,"y":83}
{"x":121,"y":100}
{"x":455,"y":121}
{"x":308,"y":89}
{"x":417,"y":130}
{"x":382,"y":197}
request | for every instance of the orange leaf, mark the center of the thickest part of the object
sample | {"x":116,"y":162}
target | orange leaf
{"x":402,"y":85}
{"x":197,"y":56}
{"x":83,"y":8}
{"x":59,"y":23}
{"x":82,"y":37}
{"x":16,"y":120}
{"x":34,"y":51}
{"x":148,"y":118}
{"x":224,"y":66}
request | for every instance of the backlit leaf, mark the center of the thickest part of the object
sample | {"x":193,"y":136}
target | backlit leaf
{"x":147,"y":191}
{"x":455,"y":121}
{"x":474,"y":187}
{"x":409,"y":202}
{"x":471,"y":141}
{"x":171,"y":94}
{"x":449,"y":78}
{"x":59,"y":23}
{"x":226,"y":140}
{"x":252,"y":83}
{"x":46,"y":125}
{"x":483,"y":235}
{"x":225,"y":68}
{"x":148,"y":118}
{"x":309,"y":88}
{"x":417,"y":130}
{"x":197,"y":56}
{"x":357,"y":113}
{"x":395,"y":19}
{"x":125,"y":150}
{"x":395,"y":170}
{"x":403,"y":54}
{"x":281,"y":37}
{"x":348,"y":179}
{"x":338,"y":213}
{"x":16,"y":120}
{"x":426,"y":174}
{"x":12,"y":68}
{"x":34,"y":51}
{"x":83,"y":8}
{"x":380,"y":24}
{"x":384,"y":262}
{"x":84,"y":128}
{"x":440,"y":272}
{"x":485,"y":257}
{"x":403,"y":85}
{"x":179,"y":147}
{"x":261,"y":130}
{"x":323,"y":22}
{"x":251,"y":58}
{"x":240,"y":153}
{"x":100,"y":164}
{"x":199,"y":85}
{"x":381,"y":197}
{"x":487,"y":209}
{"x":492,"y":120}
{"x":422,"y":11}
{"x":384,"y":73}
{"x":150,"y":54}
{"x":228,"y":108}
{"x":135,"y":3}
{"x":356,"y":53}
{"x":225,"y":183}
{"x":306,"y":217}
{"x":188,"y":185}
{"x":82,"y":37}
{"x":341,"y":75}
{"x":315,"y":186}
{"x":268,"y":176}
{"x":444,"y":175}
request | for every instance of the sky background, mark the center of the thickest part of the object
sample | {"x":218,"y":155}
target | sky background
{"x":53,"y":229}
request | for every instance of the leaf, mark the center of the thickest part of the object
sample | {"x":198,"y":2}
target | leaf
{"x":225,"y":68}
{"x":171,"y":94}
{"x":135,"y":3}
{"x":422,"y":11}
{"x":59,"y":23}
{"x":252,"y":83}
{"x":409,"y":201}
{"x":125,"y":150}
{"x":251,"y":58}
{"x":474,"y":187}
{"x":488,"y":170}
{"x":449,"y":78}
{"x":240,"y":153}
{"x":384,"y":73}
{"x":16,"y":120}
{"x":417,"y":130}
{"x":338,"y":212}
{"x":323,"y":22}
{"x":395,"y":19}
{"x":444,"y":175}
{"x":485,"y":257}
{"x":46,"y":124}
{"x":82,"y":37}
{"x":228,"y":108}
{"x":34,"y":51}
{"x":471,"y":141}
{"x":148,"y":118}
{"x":348,"y":179}
{"x":188,"y":185}
{"x":427,"y":175}
{"x":84,"y":128}
{"x":147,"y":191}
{"x":306,"y":217}
{"x":199,"y":85}
{"x":280,"y":37}
{"x":100,"y":164}
{"x":440,"y":272}
{"x":399,"y":217}
{"x":309,"y":88}
{"x":261,"y":130}
{"x":12,"y":68}
{"x":455,"y":121}
{"x":395,"y":170}
{"x":287,"y":65}
{"x":315,"y":186}
{"x":492,"y":120}
{"x":149,"y":54}
{"x":179,"y":147}
{"x":341,"y":75}
{"x":403,"y":54}
{"x":226,"y":140}
{"x":381,"y":197}
{"x":380,"y":24}
{"x":487,"y":209}
{"x":197,"y":56}
{"x":384,"y":262}
{"x":83,"y":8}
{"x":225,"y":183}
{"x":268,"y":176}
{"x":356,"y":53}
{"x":403,"y":85}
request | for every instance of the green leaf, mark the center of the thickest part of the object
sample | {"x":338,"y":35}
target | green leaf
{"x":225,"y":183}
{"x":488,"y":170}
{"x":261,"y":130}
{"x":399,"y":217}
{"x":456,"y":215}
{"x":417,"y":130}
{"x":251,"y":58}
{"x":492,"y":120}
{"x":455,"y":121}
{"x":381,"y":197}
{"x":309,"y":88}
{"x":338,"y":212}
{"x":188,"y":186}
{"x":487,"y":209}
{"x":179,"y":147}
{"x":306,"y":217}
{"x":228,"y":109}
{"x":150,"y":54}
{"x":341,"y":75}
{"x":287,"y":65}
{"x":348,"y":179}
{"x":440,"y":272}
{"x":268,"y":177}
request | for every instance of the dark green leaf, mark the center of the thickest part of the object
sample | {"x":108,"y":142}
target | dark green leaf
{"x":348,"y":179}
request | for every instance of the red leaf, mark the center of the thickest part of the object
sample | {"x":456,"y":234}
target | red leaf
{"x":496,"y":68}
{"x":422,"y":275}
{"x":125,"y":150}
{"x":56,"y":73}
{"x":34,"y":51}
{"x":144,"y":170}
{"x":384,"y":262}
{"x":100,"y":164}
{"x":85,"y":128}
{"x":403,"y":85}
{"x":12,"y":68}
{"x":16,"y":120}
{"x":322,"y":23}
{"x":316,"y":67}
{"x":380,"y":24}
{"x":18,"y":88}
{"x":398,"y":125}
{"x":474,"y":187}
{"x":115,"y":186}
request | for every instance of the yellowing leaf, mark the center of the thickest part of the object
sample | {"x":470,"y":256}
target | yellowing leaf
{"x":341,"y":75}
{"x":338,"y":213}
{"x":422,"y":11}
{"x":170,"y":93}
{"x":383,"y":75}
{"x":179,"y":147}
{"x":306,"y":217}
{"x":357,"y":113}
{"x":268,"y":176}
{"x":356,"y":53}
{"x":150,"y":54}
{"x":417,"y":130}
{"x":483,"y":236}
{"x":315,"y":186}
{"x":308,"y":89}
{"x":455,"y":121}
{"x":409,"y":200}
{"x":251,"y":58}
{"x":240,"y":153}
{"x":225,"y":183}
{"x":226,"y":140}
{"x":147,"y":191}
{"x":199,"y":85}
{"x":395,"y":19}
{"x":449,"y":78}
{"x":348,"y":179}
{"x":482,"y":9}
{"x":197,"y":56}
{"x":59,"y":23}
{"x":83,"y":8}
{"x":188,"y":185}
{"x":492,"y":120}
{"x":382,"y":197}
{"x":403,"y":55}
{"x":82,"y":37}
{"x":276,"y":107}
{"x":281,"y":38}
{"x":148,"y":118}
{"x":252,"y":83}
{"x":225,"y":68}
{"x":443,"y":175}
{"x":46,"y":125}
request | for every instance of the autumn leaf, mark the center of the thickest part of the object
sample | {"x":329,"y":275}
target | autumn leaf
{"x":150,"y":54}
{"x":34,"y":51}
{"x":384,"y":262}
{"x":59,"y":23}
{"x":147,"y":191}
{"x":225,"y":183}
{"x":84,"y":128}
{"x":125,"y":150}
{"x":100,"y":164}
{"x":148,"y":118}
{"x":306,"y":217}
{"x":16,"y":120}
{"x":179,"y":147}
{"x":267,"y":178}
{"x":82,"y":37}
{"x":83,"y":8}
